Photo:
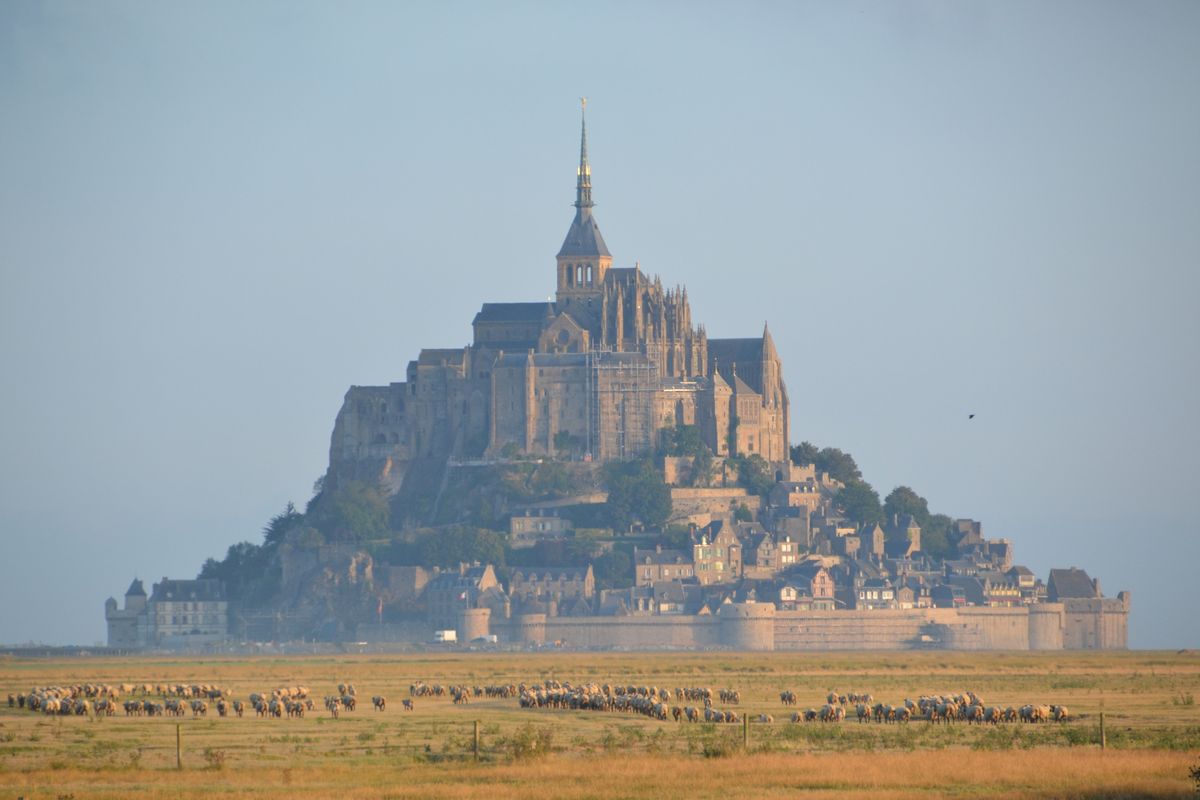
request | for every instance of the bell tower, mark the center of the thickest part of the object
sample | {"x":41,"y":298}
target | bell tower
{"x":584,"y":258}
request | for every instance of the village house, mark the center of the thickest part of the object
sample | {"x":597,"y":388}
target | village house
{"x":660,"y":564}
{"x":535,"y":525}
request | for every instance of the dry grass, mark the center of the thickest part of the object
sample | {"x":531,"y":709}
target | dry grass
{"x":1153,"y":738}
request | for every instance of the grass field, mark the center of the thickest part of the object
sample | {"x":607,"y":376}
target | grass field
{"x":1152,"y":727}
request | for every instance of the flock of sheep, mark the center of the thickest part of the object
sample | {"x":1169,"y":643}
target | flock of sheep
{"x":176,"y":700}
{"x":690,"y":704}
{"x":967,"y":707}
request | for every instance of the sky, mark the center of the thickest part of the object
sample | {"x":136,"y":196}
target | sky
{"x":216,"y":217}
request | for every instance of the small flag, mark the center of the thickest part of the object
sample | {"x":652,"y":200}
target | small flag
{"x":462,"y":596}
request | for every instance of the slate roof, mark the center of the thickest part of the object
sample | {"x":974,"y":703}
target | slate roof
{"x":583,"y":237}
{"x":664,"y":556}
{"x":438,"y":356}
{"x":1069,"y":583}
{"x":136,"y":589}
{"x":514,"y":312}
{"x":204,"y":589}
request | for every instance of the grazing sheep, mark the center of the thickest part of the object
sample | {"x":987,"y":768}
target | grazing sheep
{"x":407,"y":703}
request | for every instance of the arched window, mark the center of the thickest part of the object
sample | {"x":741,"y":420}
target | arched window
{"x":579,"y":275}
{"x":589,"y":275}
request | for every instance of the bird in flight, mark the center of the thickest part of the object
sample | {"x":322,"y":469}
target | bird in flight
{"x":970,"y":416}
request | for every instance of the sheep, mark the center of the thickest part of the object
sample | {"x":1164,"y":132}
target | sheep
{"x":238,"y":707}
{"x":407,"y":703}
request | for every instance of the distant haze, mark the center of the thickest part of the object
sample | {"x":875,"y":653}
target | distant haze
{"x":216,"y":217}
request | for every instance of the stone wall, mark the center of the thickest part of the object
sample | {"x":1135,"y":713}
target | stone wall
{"x":750,"y":626}
{"x":702,"y":506}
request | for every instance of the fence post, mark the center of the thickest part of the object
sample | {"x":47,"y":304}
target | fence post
{"x":1103,"y":738}
{"x":745,"y":731}
{"x":475,"y":749}
{"x":178,"y":747}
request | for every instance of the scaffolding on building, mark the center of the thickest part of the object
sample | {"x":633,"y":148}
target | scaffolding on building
{"x":620,"y":390}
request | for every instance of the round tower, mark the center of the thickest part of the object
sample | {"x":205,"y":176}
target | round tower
{"x":1046,"y":626}
{"x":748,"y":626}
{"x":474,"y":623}
{"x":531,"y":628}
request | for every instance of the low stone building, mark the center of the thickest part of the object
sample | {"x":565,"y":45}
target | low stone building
{"x":552,"y":583}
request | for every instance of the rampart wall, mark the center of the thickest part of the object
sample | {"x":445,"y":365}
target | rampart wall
{"x":1099,"y":624}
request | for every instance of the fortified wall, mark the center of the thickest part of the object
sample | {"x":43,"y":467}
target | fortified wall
{"x":1099,"y":624}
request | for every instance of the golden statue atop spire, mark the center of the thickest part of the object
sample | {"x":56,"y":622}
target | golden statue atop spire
{"x":583,"y":102}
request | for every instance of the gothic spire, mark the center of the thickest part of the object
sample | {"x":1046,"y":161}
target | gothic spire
{"x":583,"y":237}
{"x":583,"y":183}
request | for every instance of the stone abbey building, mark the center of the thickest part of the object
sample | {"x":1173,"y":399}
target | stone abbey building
{"x":594,"y":375}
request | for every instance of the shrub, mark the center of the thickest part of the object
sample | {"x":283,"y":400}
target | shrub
{"x":214,"y":758}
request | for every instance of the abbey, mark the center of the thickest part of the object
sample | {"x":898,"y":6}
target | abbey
{"x":596,"y":374}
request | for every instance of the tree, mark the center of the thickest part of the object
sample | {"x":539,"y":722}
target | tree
{"x":460,"y":544}
{"x":681,"y":440}
{"x":839,"y":465}
{"x":613,"y":570}
{"x":244,"y":563}
{"x":935,"y":537}
{"x":352,"y":512}
{"x":636,"y":492}
{"x":742,"y":513}
{"x":859,"y":502}
{"x":279,"y":526}
{"x":903,"y":500}
{"x":754,"y":473}
{"x":805,"y":453}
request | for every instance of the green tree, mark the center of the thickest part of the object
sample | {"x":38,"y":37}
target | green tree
{"x":805,"y":453}
{"x":279,"y":526}
{"x":903,"y":500}
{"x":451,"y":546}
{"x":935,"y":537}
{"x":244,"y":563}
{"x":681,"y":440}
{"x":352,"y":512}
{"x":636,"y":492}
{"x":742,"y":513}
{"x":859,"y":502}
{"x":613,"y":570}
{"x":754,"y":473}
{"x":839,"y":465}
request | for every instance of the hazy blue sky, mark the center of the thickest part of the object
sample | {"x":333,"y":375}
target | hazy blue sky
{"x":216,"y":217}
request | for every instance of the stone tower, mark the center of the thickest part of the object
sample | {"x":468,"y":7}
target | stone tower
{"x":583,"y":259}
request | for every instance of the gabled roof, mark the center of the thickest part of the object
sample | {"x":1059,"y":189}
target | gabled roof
{"x":1069,"y":583}
{"x":514,"y":312}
